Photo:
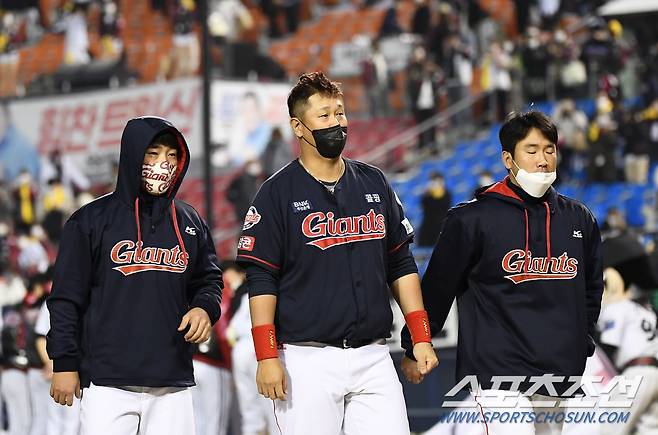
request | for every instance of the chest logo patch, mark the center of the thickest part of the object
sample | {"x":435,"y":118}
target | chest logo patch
{"x":325,"y":231}
{"x":131,"y":258}
{"x":524,"y":268}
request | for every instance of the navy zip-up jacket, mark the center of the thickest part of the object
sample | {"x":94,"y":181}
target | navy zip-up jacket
{"x":527,"y":275}
{"x":130,"y":265}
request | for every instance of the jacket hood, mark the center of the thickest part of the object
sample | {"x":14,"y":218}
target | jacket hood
{"x":137,"y":136}
{"x":504,"y":191}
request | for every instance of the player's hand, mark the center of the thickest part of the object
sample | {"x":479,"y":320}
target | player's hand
{"x":410,"y":370}
{"x":271,"y":379}
{"x":47,"y":371}
{"x":64,"y":386}
{"x":199,"y":323}
{"x":426,"y":358}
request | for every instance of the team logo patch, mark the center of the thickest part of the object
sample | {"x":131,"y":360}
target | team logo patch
{"x":190,"y":230}
{"x":246,"y":243}
{"x":300,"y":206}
{"x":251,"y":219}
{"x":325,"y":231}
{"x":522,"y":268}
{"x":132,"y":258}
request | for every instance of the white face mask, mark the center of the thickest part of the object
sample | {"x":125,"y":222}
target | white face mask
{"x":534,"y":183}
{"x":157,"y":178}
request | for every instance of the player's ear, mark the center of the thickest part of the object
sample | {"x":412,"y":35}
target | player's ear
{"x":297,"y":127}
{"x":507,"y":160}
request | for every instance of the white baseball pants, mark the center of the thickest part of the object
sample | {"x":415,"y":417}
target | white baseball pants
{"x":136,"y":411}
{"x":212,"y":397}
{"x":256,"y":411}
{"x":332,"y":389}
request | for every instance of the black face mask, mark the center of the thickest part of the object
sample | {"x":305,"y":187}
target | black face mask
{"x":329,"y":141}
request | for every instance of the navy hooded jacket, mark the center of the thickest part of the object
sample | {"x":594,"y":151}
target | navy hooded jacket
{"x":527,"y":275}
{"x":130,"y":266}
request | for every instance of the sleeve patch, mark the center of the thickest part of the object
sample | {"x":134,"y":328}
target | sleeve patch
{"x":407,"y":226}
{"x":251,"y":219}
{"x":246,"y":243}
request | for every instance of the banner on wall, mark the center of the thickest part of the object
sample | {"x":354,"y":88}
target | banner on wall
{"x":243,"y":116}
{"x":86,"y":127}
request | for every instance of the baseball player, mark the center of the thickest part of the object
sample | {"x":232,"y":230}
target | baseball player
{"x":322,"y":243}
{"x":628,"y":335}
{"x":15,"y":364}
{"x":136,"y":282}
{"x":213,"y":394}
{"x":257,"y":415}
{"x":60,"y":420}
{"x":524,"y":263}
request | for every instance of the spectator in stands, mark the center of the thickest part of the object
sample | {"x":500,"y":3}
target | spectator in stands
{"x":649,"y":127}
{"x":423,"y":81}
{"x":390,"y":24}
{"x":603,"y":142}
{"x":227,"y":20}
{"x":535,"y":60}
{"x":615,"y":221}
{"x":32,"y":255}
{"x":599,"y":53}
{"x":435,"y":203}
{"x":458,"y":68}
{"x":572,"y":137}
{"x":277,"y":153}
{"x":16,"y":152}
{"x":375,"y":76}
{"x":244,"y":187}
{"x":24,"y":196}
{"x":110,"y":30}
{"x":76,"y":35}
{"x":6,"y":203}
{"x":290,"y":10}
{"x":184,"y":60}
{"x":572,"y":72}
{"x":421,"y":20}
{"x":57,"y":206}
{"x":498,"y":63}
{"x":636,"y":148}
{"x":8,"y":55}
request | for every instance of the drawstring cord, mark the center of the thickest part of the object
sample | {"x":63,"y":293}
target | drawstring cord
{"x":174,"y":219}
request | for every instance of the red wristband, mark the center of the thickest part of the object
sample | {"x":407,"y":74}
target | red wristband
{"x":264,"y":342}
{"x":419,"y":326}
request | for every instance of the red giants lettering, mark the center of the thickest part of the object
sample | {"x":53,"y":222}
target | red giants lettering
{"x":524,"y":268}
{"x":328,"y":231}
{"x":133,"y":258}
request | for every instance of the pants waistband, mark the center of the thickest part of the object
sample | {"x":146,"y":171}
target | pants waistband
{"x":344,"y":343}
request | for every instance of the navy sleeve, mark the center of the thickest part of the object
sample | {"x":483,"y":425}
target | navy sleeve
{"x":262,"y":232}
{"x":261,"y":280}
{"x":400,"y":263}
{"x":69,"y":298}
{"x":594,"y":281}
{"x":399,"y":229}
{"x":205,"y":286}
{"x":446,"y":275}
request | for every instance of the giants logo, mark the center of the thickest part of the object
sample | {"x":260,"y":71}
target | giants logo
{"x":539,"y":268}
{"x":329,"y":232}
{"x":134,"y":259}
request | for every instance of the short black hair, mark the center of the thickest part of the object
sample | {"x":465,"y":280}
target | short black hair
{"x":167,"y":138}
{"x":517,"y":125}
{"x":310,"y":84}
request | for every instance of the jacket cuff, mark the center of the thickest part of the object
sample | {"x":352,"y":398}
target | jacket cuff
{"x":65,"y":365}
{"x":213,"y":309}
